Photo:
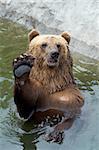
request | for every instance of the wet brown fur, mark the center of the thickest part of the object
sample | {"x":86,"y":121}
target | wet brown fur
{"x":49,"y":88}
{"x":56,"y":79}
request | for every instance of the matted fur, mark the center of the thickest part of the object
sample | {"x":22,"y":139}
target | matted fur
{"x":48,"y":87}
{"x":57,"y":79}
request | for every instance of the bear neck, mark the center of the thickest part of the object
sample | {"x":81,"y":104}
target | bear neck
{"x":53,"y":79}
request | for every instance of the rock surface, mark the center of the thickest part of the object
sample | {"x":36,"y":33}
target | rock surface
{"x":79,"y":18}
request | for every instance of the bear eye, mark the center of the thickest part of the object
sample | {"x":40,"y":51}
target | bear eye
{"x":58,"y":46}
{"x":44,"y":45}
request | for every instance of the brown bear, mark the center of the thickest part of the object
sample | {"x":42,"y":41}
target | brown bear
{"x":44,"y":82}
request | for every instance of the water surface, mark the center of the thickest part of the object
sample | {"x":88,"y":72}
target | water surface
{"x":14,"y":134}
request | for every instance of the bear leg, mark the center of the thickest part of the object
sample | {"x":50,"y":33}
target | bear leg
{"x":23,"y":89}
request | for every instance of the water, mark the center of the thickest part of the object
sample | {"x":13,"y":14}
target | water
{"x":14,"y":134}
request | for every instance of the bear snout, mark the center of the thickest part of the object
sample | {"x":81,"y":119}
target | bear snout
{"x":54,"y":55}
{"x":53,"y":59}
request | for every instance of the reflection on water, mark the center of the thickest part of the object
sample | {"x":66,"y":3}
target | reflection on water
{"x":14,"y":134}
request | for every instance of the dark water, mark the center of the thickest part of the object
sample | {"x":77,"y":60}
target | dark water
{"x":14,"y":134}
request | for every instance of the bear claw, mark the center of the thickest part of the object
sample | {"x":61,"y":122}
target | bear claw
{"x":55,"y":136}
{"x":22,"y":64}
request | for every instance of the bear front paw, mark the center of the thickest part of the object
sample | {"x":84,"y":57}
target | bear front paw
{"x":55,"y":136}
{"x":22,"y":64}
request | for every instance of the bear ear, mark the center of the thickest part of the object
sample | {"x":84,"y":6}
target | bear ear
{"x":32,"y":34}
{"x":66,"y":36}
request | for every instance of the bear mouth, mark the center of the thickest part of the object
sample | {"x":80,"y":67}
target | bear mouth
{"x":52,"y":62}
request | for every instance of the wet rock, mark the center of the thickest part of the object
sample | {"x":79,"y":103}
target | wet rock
{"x":80,"y":18}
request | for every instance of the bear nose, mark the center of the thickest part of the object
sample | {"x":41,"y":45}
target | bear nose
{"x":54,"y":55}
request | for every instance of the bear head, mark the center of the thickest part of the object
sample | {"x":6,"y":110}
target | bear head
{"x":49,"y":50}
{"x":53,"y":61}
